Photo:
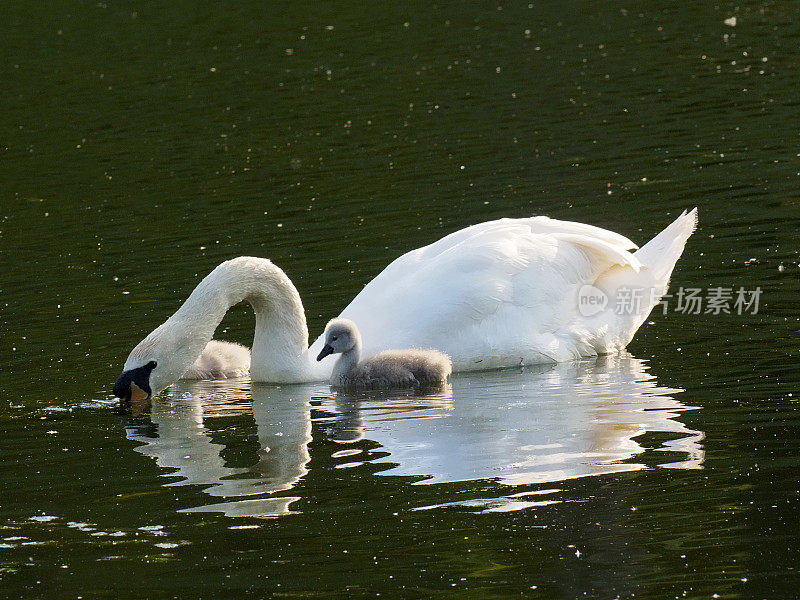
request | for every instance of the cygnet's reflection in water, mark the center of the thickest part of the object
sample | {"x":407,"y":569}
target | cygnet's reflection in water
{"x":538,"y":426}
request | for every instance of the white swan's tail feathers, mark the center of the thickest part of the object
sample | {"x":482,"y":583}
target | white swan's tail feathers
{"x":636,"y":293}
{"x":660,"y":254}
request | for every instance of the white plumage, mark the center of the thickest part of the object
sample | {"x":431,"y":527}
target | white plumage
{"x":506,"y":292}
{"x":220,"y":360}
{"x":497,"y":294}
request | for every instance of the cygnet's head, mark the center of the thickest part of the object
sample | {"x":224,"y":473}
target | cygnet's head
{"x":341,"y":335}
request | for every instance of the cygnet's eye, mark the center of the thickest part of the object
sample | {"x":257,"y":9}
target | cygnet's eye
{"x":333,"y":338}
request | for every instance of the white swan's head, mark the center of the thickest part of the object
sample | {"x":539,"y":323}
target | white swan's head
{"x":157,"y":362}
{"x":341,"y":335}
{"x":133,"y":386}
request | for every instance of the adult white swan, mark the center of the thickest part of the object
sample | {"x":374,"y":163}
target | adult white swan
{"x":501,"y":293}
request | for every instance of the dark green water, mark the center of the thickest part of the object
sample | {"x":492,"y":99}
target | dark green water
{"x":141,"y":144}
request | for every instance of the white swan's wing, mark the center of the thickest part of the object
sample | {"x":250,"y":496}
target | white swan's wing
{"x":495,"y":294}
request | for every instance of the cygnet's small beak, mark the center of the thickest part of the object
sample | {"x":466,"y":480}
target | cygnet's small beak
{"x":327,"y":349}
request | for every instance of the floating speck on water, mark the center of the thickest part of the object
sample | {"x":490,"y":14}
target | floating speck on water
{"x":730,"y":21}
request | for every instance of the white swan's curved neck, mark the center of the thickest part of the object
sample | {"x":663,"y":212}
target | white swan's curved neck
{"x":280,"y":344}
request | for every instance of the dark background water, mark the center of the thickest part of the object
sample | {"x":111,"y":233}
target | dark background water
{"x":141,"y":144}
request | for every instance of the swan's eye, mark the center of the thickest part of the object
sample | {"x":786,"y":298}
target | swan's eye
{"x":152,"y":364}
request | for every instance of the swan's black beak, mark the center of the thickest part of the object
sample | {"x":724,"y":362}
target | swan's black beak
{"x":134,"y":385}
{"x":327,"y":349}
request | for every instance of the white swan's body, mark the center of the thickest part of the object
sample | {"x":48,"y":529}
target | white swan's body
{"x":506,"y":292}
{"x":497,"y":294}
{"x":413,"y":367}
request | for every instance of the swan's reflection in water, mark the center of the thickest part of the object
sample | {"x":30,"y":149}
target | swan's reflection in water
{"x":519,"y":428}
{"x":178,"y":437}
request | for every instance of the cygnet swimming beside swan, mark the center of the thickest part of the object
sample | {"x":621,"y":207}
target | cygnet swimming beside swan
{"x":220,"y":360}
{"x":390,"y":368}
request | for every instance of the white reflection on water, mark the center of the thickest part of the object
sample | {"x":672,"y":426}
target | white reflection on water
{"x":518,"y":428}
{"x":181,"y":441}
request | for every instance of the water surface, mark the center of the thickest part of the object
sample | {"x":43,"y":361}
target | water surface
{"x":142,"y":145}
